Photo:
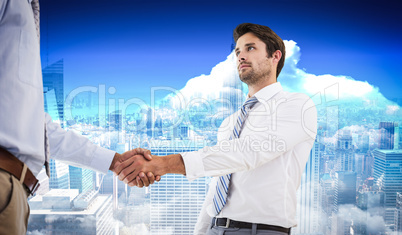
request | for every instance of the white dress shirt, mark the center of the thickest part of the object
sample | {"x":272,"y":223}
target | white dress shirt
{"x":22,"y":116}
{"x":267,"y":160}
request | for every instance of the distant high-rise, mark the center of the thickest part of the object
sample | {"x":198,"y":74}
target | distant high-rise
{"x":344,"y":196}
{"x":388,"y":177}
{"x":386,"y":135}
{"x":50,"y":103}
{"x":175,"y":202}
{"x":158,"y":127}
{"x":398,"y":137}
{"x":184,"y":130}
{"x":345,"y":152}
{"x":53,"y":79}
{"x":308,"y":195}
{"x":327,"y":201}
{"x":150,"y":122}
{"x":345,"y":189}
{"x":116,"y":121}
{"x":81,"y":179}
{"x":59,"y":175}
{"x":368,"y":165}
{"x":327,"y":194}
{"x":364,"y":142}
{"x":371,"y":203}
{"x":398,"y":213}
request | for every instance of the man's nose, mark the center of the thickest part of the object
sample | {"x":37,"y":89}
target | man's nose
{"x":241,"y":57}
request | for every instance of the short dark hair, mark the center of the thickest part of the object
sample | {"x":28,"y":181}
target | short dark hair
{"x":265,"y":34}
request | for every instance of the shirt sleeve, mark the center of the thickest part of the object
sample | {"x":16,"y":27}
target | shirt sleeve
{"x":76,"y":150}
{"x":270,"y":131}
{"x":204,"y":219}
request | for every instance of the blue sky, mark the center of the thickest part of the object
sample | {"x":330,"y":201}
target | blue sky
{"x":136,"y":45}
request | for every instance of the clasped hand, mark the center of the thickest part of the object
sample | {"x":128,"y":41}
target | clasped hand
{"x":137,"y":167}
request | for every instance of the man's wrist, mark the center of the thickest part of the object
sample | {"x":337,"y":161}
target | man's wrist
{"x":174,"y":164}
{"x":115,"y":159}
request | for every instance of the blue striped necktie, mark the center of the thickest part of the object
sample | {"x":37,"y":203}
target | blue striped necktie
{"x":222,"y":186}
{"x":35,"y":9}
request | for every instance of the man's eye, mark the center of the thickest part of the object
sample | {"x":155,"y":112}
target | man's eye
{"x":251,"y":48}
{"x":237,"y":53}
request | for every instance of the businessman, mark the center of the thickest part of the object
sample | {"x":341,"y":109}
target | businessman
{"x":261,"y":152}
{"x":27,"y":134}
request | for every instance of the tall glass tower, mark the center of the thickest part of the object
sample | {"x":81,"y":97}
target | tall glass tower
{"x":388,"y":177}
{"x":53,"y":89}
{"x":59,"y":175}
{"x":176,"y":202}
{"x":398,"y":213}
{"x":81,"y":179}
{"x":345,"y":152}
{"x":53,"y":80}
{"x":308,"y":198}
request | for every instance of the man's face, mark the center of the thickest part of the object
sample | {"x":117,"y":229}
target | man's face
{"x":253,"y":63}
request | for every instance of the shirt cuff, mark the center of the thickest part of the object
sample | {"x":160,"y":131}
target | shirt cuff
{"x":102,"y":159}
{"x":193,"y":164}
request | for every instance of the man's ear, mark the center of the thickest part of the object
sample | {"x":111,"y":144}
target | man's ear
{"x":277,"y":55}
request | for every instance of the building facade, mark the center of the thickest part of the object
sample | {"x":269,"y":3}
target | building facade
{"x":388,"y":177}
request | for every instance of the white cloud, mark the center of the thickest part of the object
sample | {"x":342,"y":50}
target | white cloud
{"x":292,"y":78}
{"x":373,"y":222}
{"x":391,"y":109}
{"x":296,"y":79}
{"x":207,"y":87}
{"x":354,"y":102}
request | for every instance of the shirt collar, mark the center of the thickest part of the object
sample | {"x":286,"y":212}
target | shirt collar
{"x":268,"y":92}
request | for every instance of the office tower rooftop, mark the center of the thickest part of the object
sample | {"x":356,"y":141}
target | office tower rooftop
{"x":65,"y":211}
{"x":388,"y":177}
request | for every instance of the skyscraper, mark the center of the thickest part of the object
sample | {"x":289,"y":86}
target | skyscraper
{"x":345,"y":152}
{"x":81,"y":179}
{"x":363,"y":142}
{"x":371,"y":203}
{"x":345,"y":196}
{"x":308,"y":195}
{"x":53,"y":79}
{"x":345,"y":189}
{"x":150,"y":122}
{"x":115,"y":121}
{"x":59,"y":175}
{"x":327,"y":201}
{"x":398,"y":213}
{"x":50,"y":103}
{"x":176,"y":202}
{"x":398,"y":137}
{"x":386,"y":135}
{"x":388,"y":177}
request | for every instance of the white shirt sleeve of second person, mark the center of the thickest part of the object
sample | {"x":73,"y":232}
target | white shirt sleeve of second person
{"x":293,"y":121}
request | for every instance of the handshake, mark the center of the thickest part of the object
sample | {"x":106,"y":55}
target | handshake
{"x":137,"y":167}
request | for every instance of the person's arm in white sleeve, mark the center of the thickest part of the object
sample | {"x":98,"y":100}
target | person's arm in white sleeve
{"x":77,"y":150}
{"x":296,"y":122}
